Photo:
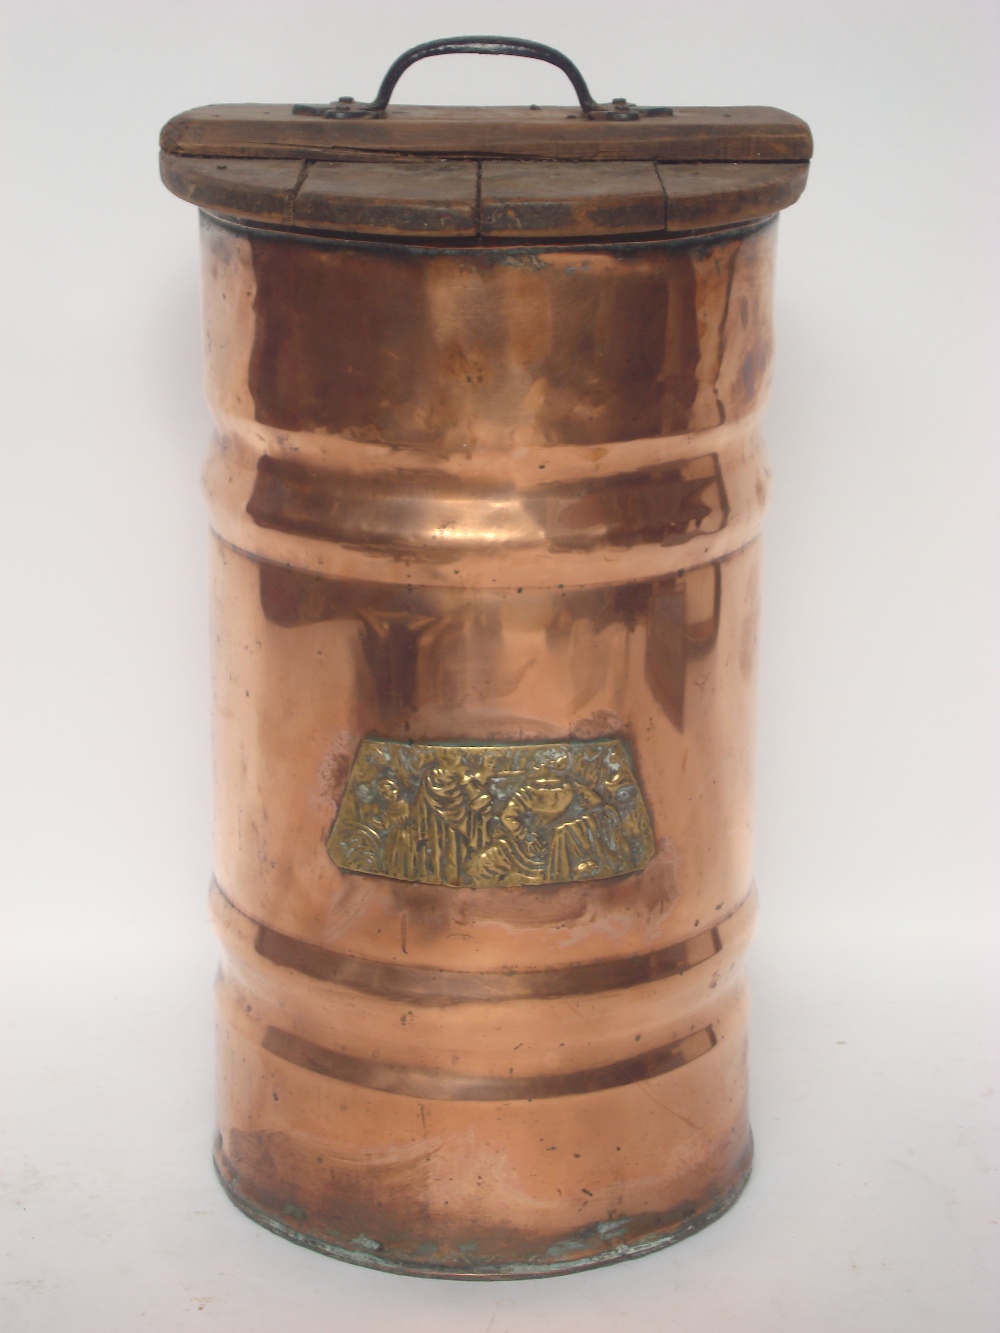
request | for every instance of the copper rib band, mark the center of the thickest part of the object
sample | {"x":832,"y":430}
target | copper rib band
{"x":439,"y":986}
{"x":443,"y":1085}
{"x":666,"y":504}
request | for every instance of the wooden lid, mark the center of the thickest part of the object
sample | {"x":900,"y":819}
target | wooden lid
{"x":485,"y":174}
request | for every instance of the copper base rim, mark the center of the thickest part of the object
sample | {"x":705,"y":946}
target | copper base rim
{"x":648,"y":1244}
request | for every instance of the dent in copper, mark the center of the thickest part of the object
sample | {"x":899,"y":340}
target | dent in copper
{"x":509,"y":499}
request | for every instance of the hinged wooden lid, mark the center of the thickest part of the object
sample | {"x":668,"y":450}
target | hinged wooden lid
{"x":489,"y":173}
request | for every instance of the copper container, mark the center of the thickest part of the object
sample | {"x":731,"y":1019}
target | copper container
{"x":486,"y":487}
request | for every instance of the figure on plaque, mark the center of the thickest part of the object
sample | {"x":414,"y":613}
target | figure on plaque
{"x":492,"y":815}
{"x":451,"y":814}
{"x":399,"y":844}
{"x":533,"y":845}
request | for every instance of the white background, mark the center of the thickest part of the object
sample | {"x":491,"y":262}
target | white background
{"x":874,"y":1203}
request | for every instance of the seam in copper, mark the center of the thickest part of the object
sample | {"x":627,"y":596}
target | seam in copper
{"x":444,"y":1085}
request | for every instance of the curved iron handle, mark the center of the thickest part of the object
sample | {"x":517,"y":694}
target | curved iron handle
{"x":482,"y":46}
{"x":345,"y":108}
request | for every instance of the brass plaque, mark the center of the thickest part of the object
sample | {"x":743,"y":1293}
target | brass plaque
{"x":490,"y":814}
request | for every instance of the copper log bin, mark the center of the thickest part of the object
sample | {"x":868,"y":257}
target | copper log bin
{"x":486,"y":487}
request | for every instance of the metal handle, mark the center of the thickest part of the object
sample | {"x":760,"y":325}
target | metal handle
{"x":483,"y":46}
{"x":345,"y":108}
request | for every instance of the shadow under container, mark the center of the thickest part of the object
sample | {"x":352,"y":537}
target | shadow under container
{"x":486,"y":486}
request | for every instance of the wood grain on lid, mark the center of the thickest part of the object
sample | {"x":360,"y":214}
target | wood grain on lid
{"x":433,"y":173}
{"x":690,"y":134}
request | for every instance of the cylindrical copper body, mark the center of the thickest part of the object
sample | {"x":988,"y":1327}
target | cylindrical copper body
{"x":484,"y":496}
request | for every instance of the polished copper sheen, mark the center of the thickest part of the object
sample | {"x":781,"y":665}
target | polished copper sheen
{"x":486,"y":487}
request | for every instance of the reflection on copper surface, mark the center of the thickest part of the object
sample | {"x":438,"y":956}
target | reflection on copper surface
{"x":662,"y":505}
{"x":505,"y":503}
{"x":405,"y":631}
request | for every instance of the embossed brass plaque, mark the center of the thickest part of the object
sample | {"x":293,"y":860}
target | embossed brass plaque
{"x":492,"y":814}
